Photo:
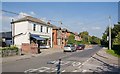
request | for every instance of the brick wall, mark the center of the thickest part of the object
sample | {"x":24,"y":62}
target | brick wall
{"x":29,"y":48}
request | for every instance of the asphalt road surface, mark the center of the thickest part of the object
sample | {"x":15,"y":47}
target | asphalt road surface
{"x":70,"y":61}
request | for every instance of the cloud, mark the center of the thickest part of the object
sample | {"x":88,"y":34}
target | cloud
{"x":5,"y":25}
{"x":96,"y":28}
{"x":44,"y":19}
{"x":21,"y":15}
{"x":84,"y":28}
{"x":32,"y":13}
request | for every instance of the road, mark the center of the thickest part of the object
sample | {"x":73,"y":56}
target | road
{"x":70,"y":61}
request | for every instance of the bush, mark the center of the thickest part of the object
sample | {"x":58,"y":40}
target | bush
{"x":9,"y":51}
{"x":113,"y":52}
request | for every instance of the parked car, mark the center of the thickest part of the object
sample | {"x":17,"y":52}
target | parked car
{"x":80,"y":47}
{"x":69,"y":47}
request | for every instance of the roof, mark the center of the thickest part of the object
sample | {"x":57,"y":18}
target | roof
{"x":32,"y":19}
{"x":55,"y":27}
{"x":6,"y":34}
{"x":64,"y":29}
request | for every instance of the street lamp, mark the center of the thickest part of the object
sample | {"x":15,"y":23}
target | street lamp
{"x":109,"y":32}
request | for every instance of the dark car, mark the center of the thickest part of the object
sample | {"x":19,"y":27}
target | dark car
{"x":80,"y":47}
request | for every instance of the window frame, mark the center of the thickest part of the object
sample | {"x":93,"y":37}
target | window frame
{"x":41,"y":29}
{"x":34,"y":27}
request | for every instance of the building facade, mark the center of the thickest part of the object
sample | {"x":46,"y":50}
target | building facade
{"x":31,"y":30}
{"x":57,"y":37}
{"x":60,"y":37}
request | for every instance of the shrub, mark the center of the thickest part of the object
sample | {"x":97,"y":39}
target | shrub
{"x":9,"y":51}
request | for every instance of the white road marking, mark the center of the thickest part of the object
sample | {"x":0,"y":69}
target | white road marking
{"x":85,"y":62}
{"x":65,"y":62}
{"x":33,"y":70}
{"x":63,"y":71}
{"x":43,"y":69}
{"x":54,"y":70}
{"x":27,"y":70}
{"x":84,"y":71}
{"x":76,"y":63}
{"x":74,"y":71}
{"x":48,"y":69}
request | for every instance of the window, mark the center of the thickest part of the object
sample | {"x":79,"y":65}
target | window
{"x":47,"y":29}
{"x":41,"y":28}
{"x":34,"y":27}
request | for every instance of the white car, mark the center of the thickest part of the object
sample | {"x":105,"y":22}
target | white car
{"x":69,"y":47}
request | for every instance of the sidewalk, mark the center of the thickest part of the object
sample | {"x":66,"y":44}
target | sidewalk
{"x":28,"y":56}
{"x":101,"y":62}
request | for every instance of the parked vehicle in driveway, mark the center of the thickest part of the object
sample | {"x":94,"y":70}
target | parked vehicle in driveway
{"x":69,"y":47}
{"x":80,"y":47}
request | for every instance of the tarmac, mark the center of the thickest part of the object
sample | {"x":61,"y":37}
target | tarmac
{"x":99,"y":62}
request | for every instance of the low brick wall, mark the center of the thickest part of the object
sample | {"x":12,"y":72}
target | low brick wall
{"x":29,"y":48}
{"x":88,"y":46}
{"x":58,"y":46}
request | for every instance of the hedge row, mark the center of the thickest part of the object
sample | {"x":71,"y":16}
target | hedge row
{"x":8,"y":51}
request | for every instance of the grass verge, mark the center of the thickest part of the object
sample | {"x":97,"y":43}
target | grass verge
{"x":113,"y":52}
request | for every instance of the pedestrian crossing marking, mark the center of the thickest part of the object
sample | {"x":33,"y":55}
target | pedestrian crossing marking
{"x":49,"y":69}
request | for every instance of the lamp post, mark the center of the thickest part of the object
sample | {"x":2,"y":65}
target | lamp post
{"x":109,"y":32}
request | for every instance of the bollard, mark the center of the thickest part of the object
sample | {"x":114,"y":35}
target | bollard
{"x":58,"y":66}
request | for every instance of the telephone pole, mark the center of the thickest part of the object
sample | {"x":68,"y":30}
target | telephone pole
{"x":109,"y":32}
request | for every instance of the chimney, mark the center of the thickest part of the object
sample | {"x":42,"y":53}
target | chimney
{"x":48,"y":22}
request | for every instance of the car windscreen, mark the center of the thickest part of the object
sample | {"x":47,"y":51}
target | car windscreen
{"x":67,"y":46}
{"x":79,"y":45}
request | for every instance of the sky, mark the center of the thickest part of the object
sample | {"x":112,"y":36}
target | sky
{"x":75,"y":16}
{"x":59,"y":0}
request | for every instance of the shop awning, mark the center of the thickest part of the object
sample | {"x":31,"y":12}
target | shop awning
{"x":37,"y":37}
{"x":46,"y":37}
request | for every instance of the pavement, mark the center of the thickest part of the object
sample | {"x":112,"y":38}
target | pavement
{"x":101,"y":62}
{"x":28,"y":56}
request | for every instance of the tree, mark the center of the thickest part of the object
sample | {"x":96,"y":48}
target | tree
{"x":117,"y":40}
{"x":104,"y":40}
{"x":114,"y":34}
{"x":85,"y":37}
{"x":71,"y":39}
{"x":95,"y":40}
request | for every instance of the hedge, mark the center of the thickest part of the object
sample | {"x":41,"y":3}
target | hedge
{"x":9,"y":51}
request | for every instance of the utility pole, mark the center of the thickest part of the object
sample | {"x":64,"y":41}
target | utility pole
{"x":109,"y":32}
{"x":12,"y":29}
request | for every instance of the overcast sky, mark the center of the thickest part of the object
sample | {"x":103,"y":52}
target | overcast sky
{"x":75,"y":16}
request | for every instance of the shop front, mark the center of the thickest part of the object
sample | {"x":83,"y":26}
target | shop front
{"x":42,"y":41}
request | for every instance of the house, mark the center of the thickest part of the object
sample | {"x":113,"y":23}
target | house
{"x":31,"y":30}
{"x":6,"y":38}
{"x":60,"y":37}
{"x":77,"y":37}
{"x":56,"y":37}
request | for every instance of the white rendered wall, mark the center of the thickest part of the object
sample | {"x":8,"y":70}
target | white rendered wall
{"x":21,"y":27}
